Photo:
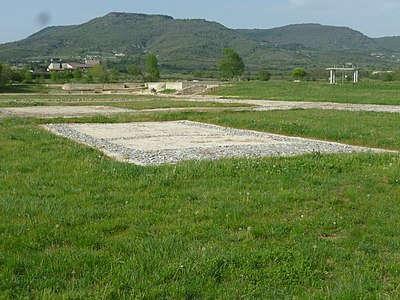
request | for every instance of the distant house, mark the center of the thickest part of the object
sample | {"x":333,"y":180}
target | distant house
{"x":91,"y":62}
{"x":61,"y":66}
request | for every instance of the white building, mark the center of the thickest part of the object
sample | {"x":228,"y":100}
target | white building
{"x":61,"y":66}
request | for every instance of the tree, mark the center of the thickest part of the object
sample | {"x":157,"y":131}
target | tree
{"x":77,"y":74}
{"x":98,"y":73}
{"x":114,"y":75}
{"x":28,"y":76}
{"x":151,"y":68}
{"x":231,"y":65}
{"x":134,"y":71}
{"x":5,"y":75}
{"x":17,"y":76}
{"x":388,"y":76}
{"x":264,"y":75}
{"x":54,"y":76}
{"x":299,"y":73}
{"x":2,"y":83}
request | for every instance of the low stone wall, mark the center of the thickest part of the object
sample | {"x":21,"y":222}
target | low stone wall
{"x":177,"y":86}
{"x":181,"y":86}
{"x":74,"y":87}
{"x":156,"y":86}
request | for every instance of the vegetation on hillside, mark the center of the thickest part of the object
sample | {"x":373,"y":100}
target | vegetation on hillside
{"x":314,"y":36}
{"x":196,"y":45}
{"x":390,"y":43}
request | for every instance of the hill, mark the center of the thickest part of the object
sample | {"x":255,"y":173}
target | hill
{"x":179,"y":43}
{"x":391,"y":43}
{"x":313,"y":36}
{"x":187,"y":44}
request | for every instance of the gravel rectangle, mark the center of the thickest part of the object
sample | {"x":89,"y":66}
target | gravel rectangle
{"x":154,"y":143}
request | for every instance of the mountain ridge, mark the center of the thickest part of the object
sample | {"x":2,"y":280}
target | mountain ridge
{"x":198,"y":43}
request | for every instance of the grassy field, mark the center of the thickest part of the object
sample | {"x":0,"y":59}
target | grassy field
{"x":25,"y":88}
{"x":372,"y":92}
{"x":4,"y":97}
{"x":76,"y":224}
{"x":124,"y":102}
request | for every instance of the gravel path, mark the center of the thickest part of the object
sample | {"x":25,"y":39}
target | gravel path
{"x":60,"y":111}
{"x":267,"y":105}
{"x":155,"y":143}
{"x":83,"y":111}
{"x":256,"y":105}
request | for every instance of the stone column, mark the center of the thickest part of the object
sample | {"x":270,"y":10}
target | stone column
{"x":355,"y":76}
{"x":331,"y":76}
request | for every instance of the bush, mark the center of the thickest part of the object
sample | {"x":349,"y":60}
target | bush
{"x":264,"y":75}
{"x":388,"y":77}
{"x":299,"y":73}
{"x":168,"y":91}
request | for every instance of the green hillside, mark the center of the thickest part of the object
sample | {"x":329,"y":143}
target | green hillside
{"x":186,"y":44}
{"x":314,"y":36}
{"x":391,"y":43}
{"x":180,"y":43}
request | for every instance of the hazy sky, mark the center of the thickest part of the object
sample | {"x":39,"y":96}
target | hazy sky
{"x":20,"y":18}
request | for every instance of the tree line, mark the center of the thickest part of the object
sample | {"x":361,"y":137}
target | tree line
{"x":107,"y":73}
{"x":98,"y":74}
{"x":9,"y":75}
{"x":231,"y":67}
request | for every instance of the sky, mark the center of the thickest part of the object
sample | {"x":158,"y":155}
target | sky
{"x":21,"y":18}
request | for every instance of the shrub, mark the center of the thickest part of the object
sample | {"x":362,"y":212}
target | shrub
{"x":264,"y":75}
{"x":299,"y":73}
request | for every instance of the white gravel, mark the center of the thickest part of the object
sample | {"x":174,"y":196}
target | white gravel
{"x":266,"y":105}
{"x":83,"y":111}
{"x":154,"y":143}
{"x":61,"y":111}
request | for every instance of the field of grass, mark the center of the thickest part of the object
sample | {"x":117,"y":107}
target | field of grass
{"x":71,"y":97}
{"x":124,"y":102}
{"x":371,"y":92}
{"x":25,"y":88}
{"x":76,"y":224}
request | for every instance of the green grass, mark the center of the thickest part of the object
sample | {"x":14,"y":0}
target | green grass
{"x":168,"y":91}
{"x":130,"y":102}
{"x":63,"y":97}
{"x":76,"y":224}
{"x":358,"y":128}
{"x":24,"y":88}
{"x":372,"y":92}
{"x":380,"y":130}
